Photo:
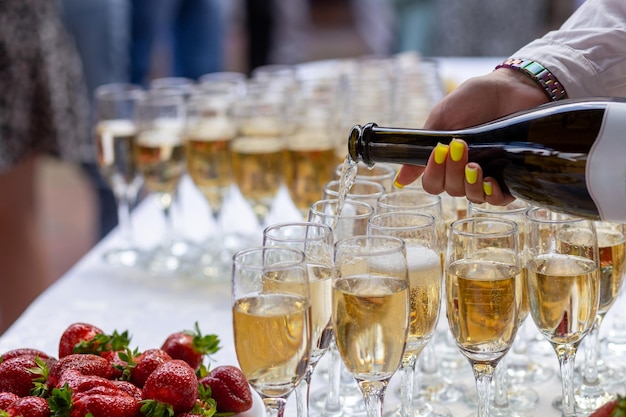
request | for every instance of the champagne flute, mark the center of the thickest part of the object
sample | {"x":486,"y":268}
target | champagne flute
{"x":563,"y":283}
{"x":258,"y":149}
{"x":425,"y":281}
{"x":508,"y":398}
{"x":371,"y":311}
{"x":271,"y":321}
{"x":159,"y":155}
{"x":381,"y":173}
{"x":316,"y":241}
{"x":115,"y":132}
{"x":593,"y":393}
{"x":484,"y":294}
{"x":351,"y":221}
{"x":362,"y":190}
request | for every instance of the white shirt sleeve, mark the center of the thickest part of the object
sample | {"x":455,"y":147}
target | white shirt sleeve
{"x":588,"y":53}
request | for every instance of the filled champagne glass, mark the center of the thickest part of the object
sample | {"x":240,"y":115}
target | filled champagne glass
{"x":594,"y":391}
{"x":316,"y":241}
{"x":115,"y":132}
{"x":258,"y":149}
{"x":371,"y":311}
{"x":271,"y":321}
{"x":484,"y":295}
{"x":425,"y":288}
{"x":509,"y":398}
{"x":362,"y":190}
{"x":380,"y":173}
{"x":343,"y":395}
{"x":160,"y":158}
{"x":563,"y":282}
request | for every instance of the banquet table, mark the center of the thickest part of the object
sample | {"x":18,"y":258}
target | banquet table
{"x":152,"y":306}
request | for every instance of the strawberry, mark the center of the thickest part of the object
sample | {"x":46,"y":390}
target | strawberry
{"x":191,"y":346}
{"x":173,"y":385}
{"x":615,"y":408}
{"x":85,"y":363}
{"x":75,"y":334}
{"x":80,"y":383}
{"x":147,"y":362}
{"x":20,"y":375}
{"x":229,"y":388}
{"x":105,"y":405}
{"x":29,"y":407}
{"x":24,"y":352}
{"x":130,"y":389}
{"x":6,"y":399}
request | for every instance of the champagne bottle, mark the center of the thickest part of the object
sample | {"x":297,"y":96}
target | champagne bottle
{"x":567,"y":156}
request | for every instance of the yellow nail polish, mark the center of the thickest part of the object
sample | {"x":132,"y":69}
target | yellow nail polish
{"x":396,"y":184}
{"x":487,"y":188}
{"x":441,"y":152}
{"x":456,"y":150}
{"x":471,"y":174}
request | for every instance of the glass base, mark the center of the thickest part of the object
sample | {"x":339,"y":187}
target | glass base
{"x":180,"y":256}
{"x":525,"y":371}
{"x":350,"y":397}
{"x":422,"y":409}
{"x":587,"y":401}
{"x":520,"y":400}
{"x":128,"y":257}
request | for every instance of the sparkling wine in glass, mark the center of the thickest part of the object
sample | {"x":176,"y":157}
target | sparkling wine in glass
{"x":272,"y":321}
{"x":371,"y":311}
{"x":484,"y":295}
{"x":419,"y":233}
{"x":563,"y":282}
{"x":316,"y":241}
{"x":115,"y":132}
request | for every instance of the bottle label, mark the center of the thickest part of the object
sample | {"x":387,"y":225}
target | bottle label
{"x":605,"y":171}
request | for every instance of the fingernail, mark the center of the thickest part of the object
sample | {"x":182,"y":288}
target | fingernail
{"x":441,"y":151}
{"x":471,"y":174}
{"x":456,"y":150}
{"x":396,"y":184}
{"x":487,"y":188}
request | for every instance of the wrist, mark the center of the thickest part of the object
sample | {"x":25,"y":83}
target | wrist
{"x":535,"y":74}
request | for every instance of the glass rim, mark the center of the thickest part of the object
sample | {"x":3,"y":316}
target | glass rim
{"x":436,"y":199}
{"x":240,"y":255}
{"x":454,"y":226}
{"x":349,"y":242}
{"x":388,"y":169}
{"x":358,"y":181}
{"x":563,"y":218}
{"x":334,"y":201}
{"x":395,"y":214}
{"x":524,"y":208}
{"x":327,"y":229}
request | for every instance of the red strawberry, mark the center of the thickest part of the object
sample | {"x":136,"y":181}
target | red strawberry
{"x":29,"y":407}
{"x":17,"y":375}
{"x":146,"y":363}
{"x":229,"y":388}
{"x":6,"y":399}
{"x":191,"y":346}
{"x":24,"y":352}
{"x":615,"y":408}
{"x":173,"y":383}
{"x":105,"y":405}
{"x":80,"y":383}
{"x":75,"y":334}
{"x":130,"y":389}
{"x":86,"y":364}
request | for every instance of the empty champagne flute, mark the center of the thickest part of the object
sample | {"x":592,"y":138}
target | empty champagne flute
{"x":271,"y":321}
{"x":371,"y":311}
{"x":159,"y":155}
{"x":115,"y":131}
{"x":484,"y":295}
{"x":381,"y":173}
{"x":316,"y":241}
{"x":563,"y":283}
{"x":361,"y":190}
{"x":593,"y":392}
{"x":425,"y":281}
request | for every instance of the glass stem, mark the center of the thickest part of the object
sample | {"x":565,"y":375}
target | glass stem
{"x":302,"y":392}
{"x":407,"y":378}
{"x":501,"y":397}
{"x":566,"y":355}
{"x":166,"y":200}
{"x":374,"y":393}
{"x":333,"y":400}
{"x":483,"y":373}
{"x":590,"y":373}
{"x":124,"y":218}
{"x":274,"y":407}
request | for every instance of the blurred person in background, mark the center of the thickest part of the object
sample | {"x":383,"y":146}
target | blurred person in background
{"x":101,"y":32}
{"x":43,"y":110}
{"x":192,"y":30}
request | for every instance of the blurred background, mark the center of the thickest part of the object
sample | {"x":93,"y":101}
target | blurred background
{"x":257,"y":32}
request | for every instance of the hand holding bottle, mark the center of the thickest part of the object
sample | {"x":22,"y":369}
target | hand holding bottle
{"x":476,"y":101}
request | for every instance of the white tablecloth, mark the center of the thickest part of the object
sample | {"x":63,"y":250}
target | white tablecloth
{"x":151,"y":307}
